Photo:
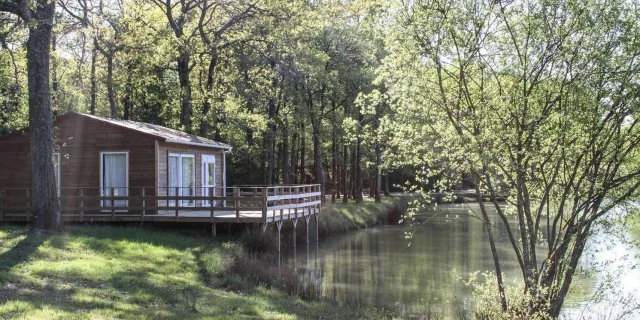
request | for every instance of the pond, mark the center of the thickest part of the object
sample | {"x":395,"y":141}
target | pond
{"x":380,"y":267}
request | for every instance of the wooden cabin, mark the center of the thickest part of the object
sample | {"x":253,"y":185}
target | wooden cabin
{"x":121,"y":170}
{"x":114,"y":157}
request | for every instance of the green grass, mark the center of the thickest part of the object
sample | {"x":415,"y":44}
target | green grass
{"x":121,"y":272}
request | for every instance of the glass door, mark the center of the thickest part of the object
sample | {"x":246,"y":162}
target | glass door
{"x":208,"y":177}
{"x":114,"y":177}
{"x":182,"y":178}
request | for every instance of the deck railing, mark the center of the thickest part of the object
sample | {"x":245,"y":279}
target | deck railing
{"x":230,"y":204}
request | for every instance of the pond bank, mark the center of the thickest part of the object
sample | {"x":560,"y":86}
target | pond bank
{"x":338,"y":218}
{"x":136,"y":273}
{"x":131,"y":272}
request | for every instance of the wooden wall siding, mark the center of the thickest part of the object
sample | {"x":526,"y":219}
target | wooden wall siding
{"x":80,"y":141}
{"x":15,"y":163}
{"x":165,"y":148}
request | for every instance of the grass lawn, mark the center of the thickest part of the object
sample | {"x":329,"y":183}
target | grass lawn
{"x":122,"y":272}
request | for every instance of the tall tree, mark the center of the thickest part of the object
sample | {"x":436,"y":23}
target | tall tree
{"x":534,"y":106}
{"x":38,"y":15}
{"x":180,"y":14}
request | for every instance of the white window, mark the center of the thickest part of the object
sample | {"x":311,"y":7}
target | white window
{"x":56,"y":164}
{"x":114,"y":177}
{"x":182,"y":177}
{"x":208,"y":177}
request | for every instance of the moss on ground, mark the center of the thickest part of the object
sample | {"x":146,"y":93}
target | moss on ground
{"x":123,"y":272}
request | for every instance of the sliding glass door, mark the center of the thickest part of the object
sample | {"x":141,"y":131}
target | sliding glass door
{"x":182,"y":178}
{"x":208,"y":177}
{"x":114,"y":177}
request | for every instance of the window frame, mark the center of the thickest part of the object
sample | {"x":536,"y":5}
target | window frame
{"x":102,"y":188}
{"x":203,"y":177}
{"x":189,"y":203}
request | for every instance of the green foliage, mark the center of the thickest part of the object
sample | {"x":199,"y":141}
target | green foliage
{"x":524,"y":104}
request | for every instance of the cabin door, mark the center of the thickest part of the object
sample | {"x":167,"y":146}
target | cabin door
{"x":208,"y":177}
{"x":182,"y":177}
{"x":114,"y":177}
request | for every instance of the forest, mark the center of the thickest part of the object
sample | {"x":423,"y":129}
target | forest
{"x":530,"y":102}
{"x":282,"y":82}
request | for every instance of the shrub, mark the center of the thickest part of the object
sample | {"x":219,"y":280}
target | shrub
{"x":257,"y":242}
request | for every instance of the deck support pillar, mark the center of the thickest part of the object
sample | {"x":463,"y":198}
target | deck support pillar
{"x":295,"y":224}
{"x":306,"y":224}
{"x":315,"y":216}
{"x":213,"y":229}
{"x":279,"y":225}
{"x":264,"y":227}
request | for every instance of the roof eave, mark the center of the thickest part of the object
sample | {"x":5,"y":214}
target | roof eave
{"x":199,"y":144}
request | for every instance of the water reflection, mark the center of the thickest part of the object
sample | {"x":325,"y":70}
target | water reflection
{"x":377,"y":267}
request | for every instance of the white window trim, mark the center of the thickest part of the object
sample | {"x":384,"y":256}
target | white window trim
{"x":203,"y":171}
{"x":102,"y":153}
{"x":195,"y":186}
{"x":56,"y":155}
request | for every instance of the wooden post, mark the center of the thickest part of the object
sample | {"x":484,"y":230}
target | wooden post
{"x":295,"y":224}
{"x":264,"y":207}
{"x":81,"y":194}
{"x":306,"y":224}
{"x":177,"y":206}
{"x":279,"y":202}
{"x":236,"y":203}
{"x":317,"y":235}
{"x":113,"y":205}
{"x":144,"y":205}
{"x":279,"y":225}
{"x":211,"y":204}
{"x":211,"y":195}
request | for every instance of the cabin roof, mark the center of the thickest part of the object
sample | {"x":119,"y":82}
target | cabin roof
{"x":164,"y":133}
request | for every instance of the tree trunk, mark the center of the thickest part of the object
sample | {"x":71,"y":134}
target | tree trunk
{"x":386,"y":184}
{"x":494,"y":252}
{"x":264,"y":162}
{"x":378,"y":177}
{"x":271,"y":126}
{"x":285,"y":155}
{"x":303,"y":174}
{"x":294,"y":159}
{"x":54,"y":73}
{"x":353,"y":176}
{"x":358,"y":169}
{"x":317,"y":159}
{"x":208,"y":94}
{"x":334,"y":177}
{"x":110,"y":90}
{"x":372,"y":186}
{"x":44,"y":204}
{"x":92,"y":76}
{"x":345,"y":163}
{"x":185,"y":90}
{"x":127,"y":100}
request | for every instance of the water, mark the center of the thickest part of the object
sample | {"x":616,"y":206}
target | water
{"x":378,"y":268}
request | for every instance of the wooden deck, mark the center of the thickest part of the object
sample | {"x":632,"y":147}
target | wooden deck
{"x":240,"y":204}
